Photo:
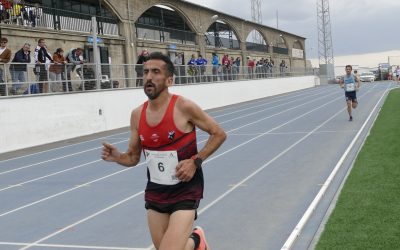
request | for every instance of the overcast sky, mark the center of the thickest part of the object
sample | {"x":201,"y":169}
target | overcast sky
{"x":358,"y":26}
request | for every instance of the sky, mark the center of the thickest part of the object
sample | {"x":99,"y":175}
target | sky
{"x":357,"y":27}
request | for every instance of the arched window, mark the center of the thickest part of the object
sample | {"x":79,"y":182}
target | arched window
{"x":256,"y":42}
{"x":163,"y":24}
{"x":220,"y":35}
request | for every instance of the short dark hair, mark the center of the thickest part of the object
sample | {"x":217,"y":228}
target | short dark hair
{"x":164,"y":58}
{"x":4,"y":39}
{"x":349,"y":66}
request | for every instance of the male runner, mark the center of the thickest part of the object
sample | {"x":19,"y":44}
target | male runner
{"x":164,"y":127}
{"x":351,"y":84}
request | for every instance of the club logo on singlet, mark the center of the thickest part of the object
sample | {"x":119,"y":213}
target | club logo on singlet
{"x":141,"y":137}
{"x":171,"y":135}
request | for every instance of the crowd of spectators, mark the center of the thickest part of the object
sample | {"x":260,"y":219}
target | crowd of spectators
{"x":52,"y":70}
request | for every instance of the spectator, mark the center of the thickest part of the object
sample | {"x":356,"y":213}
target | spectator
{"x":237,"y":64}
{"x":192,"y":68}
{"x":250,"y":67}
{"x":215,"y":66}
{"x":19,"y":70}
{"x":5,"y":56}
{"x":56,"y":69}
{"x":179,"y":68}
{"x":73,"y":59}
{"x":282,"y":67}
{"x":40,"y":56}
{"x":201,"y":66}
{"x":143,"y":57}
{"x":226,"y":64}
{"x":35,"y":14}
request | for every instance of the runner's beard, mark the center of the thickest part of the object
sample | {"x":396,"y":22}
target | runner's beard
{"x":152,"y":91}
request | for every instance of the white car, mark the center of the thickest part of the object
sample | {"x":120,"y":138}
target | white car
{"x":367,"y":77}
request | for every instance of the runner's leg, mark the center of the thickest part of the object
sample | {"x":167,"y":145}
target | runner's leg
{"x":158,"y":224}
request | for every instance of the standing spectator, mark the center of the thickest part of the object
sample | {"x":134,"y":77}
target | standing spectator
{"x":73,"y":59}
{"x":282,"y":67}
{"x":143,"y":57}
{"x":5,"y":56}
{"x":179,"y":68}
{"x":396,"y":73}
{"x":250,"y":67}
{"x":40,"y":56}
{"x":236,"y":67}
{"x":35,"y":14}
{"x":226,"y":64}
{"x":201,"y":66}
{"x":215,"y":66}
{"x":192,"y":72}
{"x":56,"y":69}
{"x":19,"y":70}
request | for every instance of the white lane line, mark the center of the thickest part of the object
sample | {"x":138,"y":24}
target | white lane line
{"x":268,"y":103}
{"x":66,"y":146}
{"x":283,"y":104}
{"x":64,"y":192}
{"x":300,"y":225}
{"x":271,"y":99}
{"x":49,"y":175}
{"x":297,"y":132}
{"x":50,"y":160}
{"x":82,"y":220}
{"x":68,"y":246}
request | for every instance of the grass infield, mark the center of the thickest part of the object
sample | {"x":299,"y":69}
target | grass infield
{"x":367,"y":214}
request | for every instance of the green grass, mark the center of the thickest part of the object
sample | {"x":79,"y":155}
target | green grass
{"x":367,"y":214}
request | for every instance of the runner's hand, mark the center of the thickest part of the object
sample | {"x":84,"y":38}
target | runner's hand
{"x":185,"y":170}
{"x":110,"y":153}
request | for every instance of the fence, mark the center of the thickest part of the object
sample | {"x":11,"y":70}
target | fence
{"x":28,"y":79}
{"x":57,"y":19}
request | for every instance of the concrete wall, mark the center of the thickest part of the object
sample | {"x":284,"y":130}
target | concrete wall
{"x":37,"y":120}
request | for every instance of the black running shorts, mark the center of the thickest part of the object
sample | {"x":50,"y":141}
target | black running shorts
{"x":173,"y":207}
{"x":351,"y":96}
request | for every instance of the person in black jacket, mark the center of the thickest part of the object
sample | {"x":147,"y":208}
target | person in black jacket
{"x":40,"y":69}
{"x":18,"y":67}
{"x":139,"y":67}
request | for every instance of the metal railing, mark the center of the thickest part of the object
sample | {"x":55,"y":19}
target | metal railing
{"x":57,"y":19}
{"x":18,"y":79}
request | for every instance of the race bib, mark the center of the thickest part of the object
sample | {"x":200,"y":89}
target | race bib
{"x":162,"y":166}
{"x":350,"y":87}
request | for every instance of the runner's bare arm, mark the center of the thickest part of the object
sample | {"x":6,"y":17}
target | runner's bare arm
{"x":206,"y":123}
{"x":194,"y":115}
{"x":132,"y":156}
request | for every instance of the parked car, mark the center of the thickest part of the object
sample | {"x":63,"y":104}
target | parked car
{"x":367,"y":77}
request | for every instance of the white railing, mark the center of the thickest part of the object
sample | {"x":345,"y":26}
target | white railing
{"x":18,"y":79}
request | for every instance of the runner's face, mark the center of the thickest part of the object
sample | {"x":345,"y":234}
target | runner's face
{"x":348,"y":70}
{"x":155,"y":78}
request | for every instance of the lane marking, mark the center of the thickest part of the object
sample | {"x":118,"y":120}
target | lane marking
{"x":82,"y":220}
{"x":69,"y":246}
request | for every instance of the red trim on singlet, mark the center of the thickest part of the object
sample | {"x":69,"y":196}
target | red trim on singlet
{"x":166,"y":136}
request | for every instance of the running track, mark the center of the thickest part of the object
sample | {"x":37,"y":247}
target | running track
{"x":259,"y":185}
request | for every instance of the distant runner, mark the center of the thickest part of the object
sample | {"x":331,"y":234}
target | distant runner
{"x":351,"y":84}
